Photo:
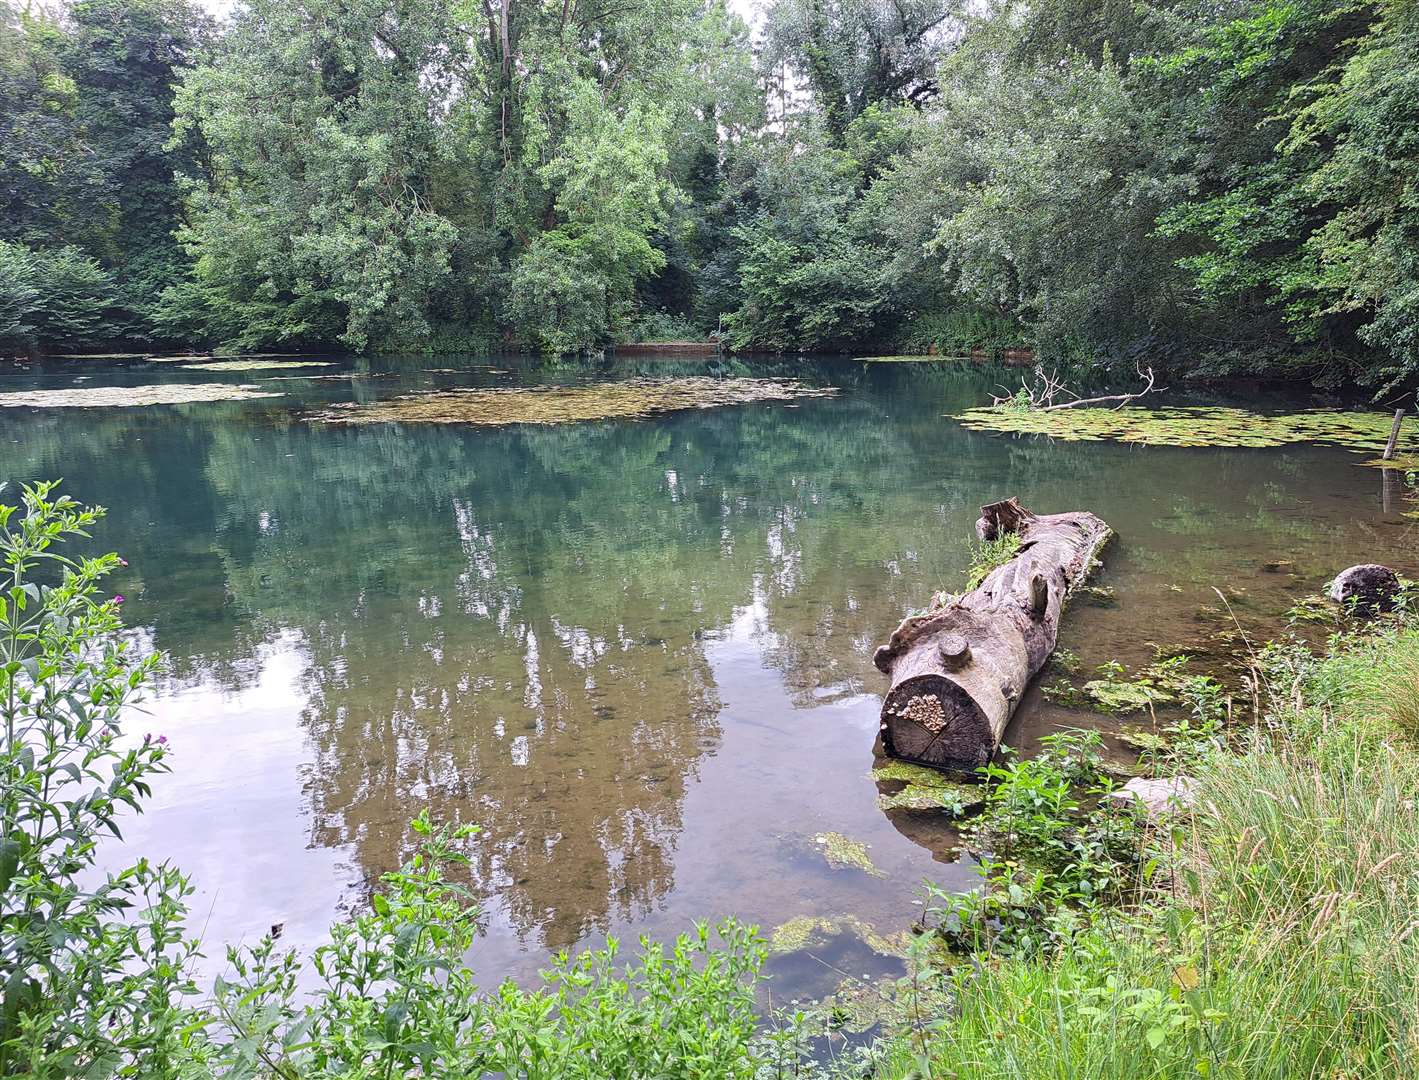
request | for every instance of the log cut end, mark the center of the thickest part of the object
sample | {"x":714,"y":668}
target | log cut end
{"x":931,"y":720}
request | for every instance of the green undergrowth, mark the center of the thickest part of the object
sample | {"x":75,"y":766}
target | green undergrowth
{"x":1271,"y":932}
{"x":987,"y":555}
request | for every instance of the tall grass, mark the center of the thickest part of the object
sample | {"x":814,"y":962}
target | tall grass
{"x":1286,"y":943}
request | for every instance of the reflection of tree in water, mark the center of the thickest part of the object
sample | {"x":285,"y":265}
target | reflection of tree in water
{"x":572,"y":750}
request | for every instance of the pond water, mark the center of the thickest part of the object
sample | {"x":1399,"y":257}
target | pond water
{"x":637,"y":654}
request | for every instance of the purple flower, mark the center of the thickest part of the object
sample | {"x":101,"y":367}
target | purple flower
{"x":118,"y":599}
{"x":162,"y":740}
{"x":122,"y":562}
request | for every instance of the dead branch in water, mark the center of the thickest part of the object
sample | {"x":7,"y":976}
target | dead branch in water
{"x":1122,"y":399}
{"x":1048,"y":386}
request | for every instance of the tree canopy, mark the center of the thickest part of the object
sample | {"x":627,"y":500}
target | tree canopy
{"x":1205,"y":187}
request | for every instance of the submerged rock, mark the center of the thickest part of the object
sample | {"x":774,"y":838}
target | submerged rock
{"x":1158,"y":797}
{"x":1367,"y":588}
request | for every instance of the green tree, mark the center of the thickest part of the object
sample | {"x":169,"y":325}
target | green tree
{"x":856,"y":53}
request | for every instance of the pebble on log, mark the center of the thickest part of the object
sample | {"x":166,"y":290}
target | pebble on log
{"x":959,"y":669}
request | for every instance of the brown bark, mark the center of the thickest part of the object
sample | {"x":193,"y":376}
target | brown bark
{"x":1393,"y":435}
{"x":959,"y":669}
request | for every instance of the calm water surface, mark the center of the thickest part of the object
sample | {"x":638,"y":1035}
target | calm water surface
{"x":637,"y":654}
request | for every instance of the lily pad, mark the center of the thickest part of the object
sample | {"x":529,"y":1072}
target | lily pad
{"x":1189,"y":426}
{"x":630,"y":399}
{"x":845,"y":853}
{"x":258,"y":365}
{"x":110,"y":397}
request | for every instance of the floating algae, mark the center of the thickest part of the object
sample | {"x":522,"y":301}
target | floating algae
{"x":899,"y":359}
{"x":845,"y":853}
{"x":1158,"y":684}
{"x":331,"y":378}
{"x":1188,"y":426}
{"x":926,"y":789}
{"x":101,"y":356}
{"x":631,"y":399}
{"x":1402,"y":462}
{"x":258,"y":365}
{"x":814,"y":930}
{"x":109,"y":397}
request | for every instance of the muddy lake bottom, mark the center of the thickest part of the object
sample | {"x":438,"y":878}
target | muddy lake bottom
{"x":636,"y":653}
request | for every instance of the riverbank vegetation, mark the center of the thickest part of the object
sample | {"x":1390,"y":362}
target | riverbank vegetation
{"x":1204,"y":188}
{"x":1272,"y":933}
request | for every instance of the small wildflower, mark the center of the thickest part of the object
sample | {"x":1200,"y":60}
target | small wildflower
{"x":118,"y":598}
{"x":162,"y":740}
{"x":122,"y":562}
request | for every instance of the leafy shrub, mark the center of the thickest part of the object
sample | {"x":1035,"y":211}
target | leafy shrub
{"x":961,"y":330}
{"x":60,"y":296}
{"x":663,"y":326}
{"x":1042,"y":855}
{"x":83,"y":987}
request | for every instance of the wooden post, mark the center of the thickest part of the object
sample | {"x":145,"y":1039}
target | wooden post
{"x":1393,"y":435}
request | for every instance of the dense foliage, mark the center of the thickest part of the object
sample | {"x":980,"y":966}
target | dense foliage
{"x":1211,"y":187}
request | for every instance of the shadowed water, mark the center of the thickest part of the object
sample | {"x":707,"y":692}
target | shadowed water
{"x":637,"y":654}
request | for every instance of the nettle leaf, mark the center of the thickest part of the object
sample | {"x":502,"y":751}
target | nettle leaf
{"x":9,"y":861}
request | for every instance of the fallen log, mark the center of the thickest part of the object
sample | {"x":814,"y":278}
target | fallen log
{"x":960,"y":668}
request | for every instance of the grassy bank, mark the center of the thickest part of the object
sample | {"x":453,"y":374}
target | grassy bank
{"x":1281,"y":936}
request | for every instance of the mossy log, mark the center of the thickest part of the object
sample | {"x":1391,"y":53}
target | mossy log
{"x":960,"y":668}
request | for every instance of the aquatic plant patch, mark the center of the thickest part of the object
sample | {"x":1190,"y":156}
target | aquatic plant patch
{"x":631,"y":399}
{"x":845,"y":853}
{"x":806,"y":931}
{"x":899,"y":359}
{"x":1402,"y":462}
{"x":926,"y":789}
{"x":1189,"y":426}
{"x":258,"y":365}
{"x":114,"y":397}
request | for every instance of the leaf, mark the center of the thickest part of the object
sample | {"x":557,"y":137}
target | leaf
{"x":1187,"y":977}
{"x":393,"y":1018}
{"x":9,"y":861}
{"x":1155,"y":1037}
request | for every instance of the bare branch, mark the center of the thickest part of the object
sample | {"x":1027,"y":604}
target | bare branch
{"x":1122,"y":399}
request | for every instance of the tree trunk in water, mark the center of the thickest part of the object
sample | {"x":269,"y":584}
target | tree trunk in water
{"x":959,"y":669}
